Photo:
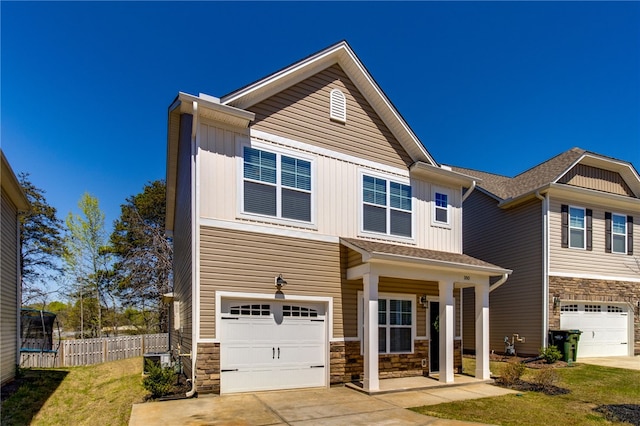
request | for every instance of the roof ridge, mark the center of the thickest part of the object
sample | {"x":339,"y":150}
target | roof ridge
{"x":574,"y":149}
{"x":480,"y":171}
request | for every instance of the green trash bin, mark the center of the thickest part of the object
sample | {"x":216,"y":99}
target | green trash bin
{"x":573,"y":337}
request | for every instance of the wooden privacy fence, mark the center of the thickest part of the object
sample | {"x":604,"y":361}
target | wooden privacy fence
{"x":94,"y":351}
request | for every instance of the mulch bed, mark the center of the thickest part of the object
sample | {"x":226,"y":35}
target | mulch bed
{"x":629,"y":413}
{"x":178,"y":391}
{"x":529,"y":362}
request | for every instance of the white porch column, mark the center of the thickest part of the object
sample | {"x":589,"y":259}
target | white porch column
{"x":447,"y":324}
{"x":370,"y":287}
{"x":482,"y":332}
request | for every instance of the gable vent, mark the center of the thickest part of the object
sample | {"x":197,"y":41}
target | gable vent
{"x":338,"y":110}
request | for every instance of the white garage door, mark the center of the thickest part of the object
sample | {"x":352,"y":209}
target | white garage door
{"x":267,"y":345}
{"x":604,"y":328}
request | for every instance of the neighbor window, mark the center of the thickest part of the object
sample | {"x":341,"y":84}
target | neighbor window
{"x":276,"y":185}
{"x":576,"y":227}
{"x":618,"y":233}
{"x":394,"y":325}
{"x":386,"y":206}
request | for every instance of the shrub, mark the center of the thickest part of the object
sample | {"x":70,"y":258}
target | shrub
{"x":159,"y":380}
{"x":546,"y":378}
{"x":550,"y":354}
{"x":511,"y":373}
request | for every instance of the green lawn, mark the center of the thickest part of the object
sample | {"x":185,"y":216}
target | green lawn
{"x":589,"y":387}
{"x":93,"y":395}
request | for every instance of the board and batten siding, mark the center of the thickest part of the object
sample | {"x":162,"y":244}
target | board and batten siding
{"x":510,"y":238}
{"x":239,"y":261}
{"x":301,"y":112}
{"x":596,"y":178}
{"x":182,"y":257}
{"x":9,"y":299}
{"x":595,"y":262}
{"x":336,"y":190}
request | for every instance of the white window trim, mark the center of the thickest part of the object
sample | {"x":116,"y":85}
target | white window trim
{"x":389,"y":178}
{"x":278,"y":219}
{"x":449,"y":194}
{"x":626,"y":233}
{"x":388,"y":296}
{"x":584,"y":229}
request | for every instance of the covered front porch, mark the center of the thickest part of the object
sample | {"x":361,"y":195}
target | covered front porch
{"x":443,"y":271}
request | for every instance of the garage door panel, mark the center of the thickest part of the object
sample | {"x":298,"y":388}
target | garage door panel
{"x":281,"y":347}
{"x":604,"y":328}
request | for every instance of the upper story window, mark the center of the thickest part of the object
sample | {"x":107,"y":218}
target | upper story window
{"x":276,"y":185}
{"x":442,"y":208}
{"x":386,"y":207}
{"x":618,"y":233}
{"x":577,"y":228}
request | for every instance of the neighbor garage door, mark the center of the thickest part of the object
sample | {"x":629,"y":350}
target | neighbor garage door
{"x":604,"y":328}
{"x":268,"y":345}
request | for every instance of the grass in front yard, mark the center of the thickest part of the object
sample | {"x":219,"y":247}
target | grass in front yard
{"x":590,"y":387}
{"x":99,"y":394}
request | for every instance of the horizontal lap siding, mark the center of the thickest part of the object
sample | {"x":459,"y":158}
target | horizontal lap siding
{"x":9,"y":280}
{"x":301,"y":112}
{"x":512,"y":239}
{"x":238,"y":261}
{"x":596,"y":261}
{"x":182,"y":259}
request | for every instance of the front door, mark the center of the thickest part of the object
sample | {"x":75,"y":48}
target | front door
{"x":434,"y":337}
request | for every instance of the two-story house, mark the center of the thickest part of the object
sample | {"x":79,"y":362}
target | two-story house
{"x":566,"y":229}
{"x":316,"y":239}
{"x":13,"y":201}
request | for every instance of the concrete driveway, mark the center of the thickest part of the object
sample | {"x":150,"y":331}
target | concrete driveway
{"x":628,"y":362}
{"x":320,"y":406}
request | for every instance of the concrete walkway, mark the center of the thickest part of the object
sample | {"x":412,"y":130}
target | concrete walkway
{"x":628,"y":362}
{"x":320,"y":406}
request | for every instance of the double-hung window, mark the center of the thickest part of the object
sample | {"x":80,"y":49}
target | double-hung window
{"x":386,"y":206}
{"x":618,"y":233}
{"x":394,"y":325}
{"x":441,"y":208}
{"x":276,"y":185}
{"x":577,"y":228}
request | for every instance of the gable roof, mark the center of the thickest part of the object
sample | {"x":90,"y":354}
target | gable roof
{"x":441,"y":259}
{"x":342,"y":54}
{"x":549,"y":172}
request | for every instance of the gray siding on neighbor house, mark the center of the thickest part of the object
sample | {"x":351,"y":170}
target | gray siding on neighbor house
{"x":510,"y":238}
{"x":10,"y":282}
{"x":247,"y":262}
{"x":182,"y":253}
{"x":301,"y":112}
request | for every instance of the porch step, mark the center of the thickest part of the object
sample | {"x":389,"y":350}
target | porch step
{"x":416,"y":384}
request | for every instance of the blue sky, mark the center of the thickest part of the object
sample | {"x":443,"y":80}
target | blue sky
{"x":498,"y":86}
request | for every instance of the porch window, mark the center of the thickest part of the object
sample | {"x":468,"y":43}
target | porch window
{"x":276,"y":185}
{"x":394,"y":326}
{"x":386,"y":207}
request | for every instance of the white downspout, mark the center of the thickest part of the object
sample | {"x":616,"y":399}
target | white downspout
{"x":469,"y":191}
{"x":499,"y":282}
{"x":195,"y":258}
{"x":545,"y":267}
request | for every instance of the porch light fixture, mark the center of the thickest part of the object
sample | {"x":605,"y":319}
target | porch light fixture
{"x":279,"y":281}
{"x":556,"y":302}
{"x":423,"y":300}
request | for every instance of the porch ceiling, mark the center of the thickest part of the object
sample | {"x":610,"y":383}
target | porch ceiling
{"x":374,"y":251}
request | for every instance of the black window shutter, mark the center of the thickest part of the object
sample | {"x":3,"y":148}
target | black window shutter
{"x":607,"y":232}
{"x":589,"y":229}
{"x":630,"y":235}
{"x":564,"y":209}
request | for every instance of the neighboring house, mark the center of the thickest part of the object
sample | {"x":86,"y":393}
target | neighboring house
{"x":12,"y":202}
{"x":316,"y":240}
{"x":566,"y":229}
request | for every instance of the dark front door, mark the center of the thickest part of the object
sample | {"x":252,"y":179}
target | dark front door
{"x":434,"y":337}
